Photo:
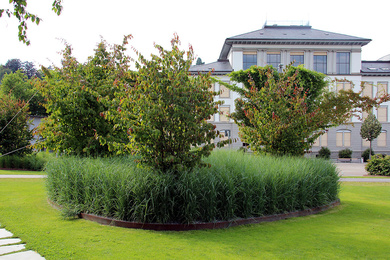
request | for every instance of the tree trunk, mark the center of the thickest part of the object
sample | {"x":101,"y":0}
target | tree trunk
{"x":369,"y":155}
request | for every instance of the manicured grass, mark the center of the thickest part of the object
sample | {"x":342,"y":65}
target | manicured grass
{"x":358,"y":229}
{"x":15,"y":172}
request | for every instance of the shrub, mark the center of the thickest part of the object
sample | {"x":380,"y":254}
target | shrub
{"x":366,"y":154}
{"x":15,"y":134}
{"x":379,"y":165}
{"x":324,"y":152}
{"x":233,"y":187}
{"x":167,"y":111}
{"x":34,"y":162}
{"x":346,"y":153}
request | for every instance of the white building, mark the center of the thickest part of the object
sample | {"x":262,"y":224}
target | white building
{"x":336,"y":55}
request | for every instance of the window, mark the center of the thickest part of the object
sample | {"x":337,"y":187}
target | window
{"x":296,"y":58}
{"x":322,"y":140}
{"x":249,"y":59}
{"x":225,"y":92}
{"x":382,"y":88}
{"x":382,"y":139}
{"x":273,"y":59}
{"x":343,"y":86}
{"x":342,"y":63}
{"x":223,"y":113}
{"x":343,"y":138}
{"x":367,"y":91}
{"x":320,"y":62}
{"x":382,"y":114}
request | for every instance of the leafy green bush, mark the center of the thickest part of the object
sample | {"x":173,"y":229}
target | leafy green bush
{"x":379,"y":165}
{"x":324,"y":152}
{"x":34,"y":162}
{"x":233,"y":187}
{"x":167,"y":111}
{"x":346,"y":153}
{"x":366,"y":154}
{"x":15,"y":134}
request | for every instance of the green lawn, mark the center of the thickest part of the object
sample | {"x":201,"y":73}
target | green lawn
{"x":14,"y":172}
{"x":358,"y":229}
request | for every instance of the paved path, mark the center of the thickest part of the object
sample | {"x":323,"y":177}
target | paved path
{"x":20,"y":176}
{"x":357,"y":170}
{"x":12,"y":249}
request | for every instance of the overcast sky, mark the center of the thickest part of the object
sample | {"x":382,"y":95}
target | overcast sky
{"x":203,"y":24}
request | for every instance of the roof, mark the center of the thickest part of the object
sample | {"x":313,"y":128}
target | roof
{"x":220,"y":67}
{"x":386,"y":58}
{"x":291,"y":35}
{"x":375,"y":68}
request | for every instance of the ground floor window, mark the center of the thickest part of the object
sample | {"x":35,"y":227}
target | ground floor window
{"x":343,"y":138}
{"x":322,"y":140}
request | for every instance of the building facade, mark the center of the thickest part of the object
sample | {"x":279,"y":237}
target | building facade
{"x":336,"y":55}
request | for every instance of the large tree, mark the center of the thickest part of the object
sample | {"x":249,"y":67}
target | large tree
{"x":24,"y":17}
{"x":18,"y":86}
{"x":284,"y":112}
{"x":371,"y":129}
{"x":77,"y":96}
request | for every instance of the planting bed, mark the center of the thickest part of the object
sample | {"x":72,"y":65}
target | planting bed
{"x":237,"y":188}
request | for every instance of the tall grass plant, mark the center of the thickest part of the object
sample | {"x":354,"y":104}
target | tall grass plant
{"x":236,"y":185}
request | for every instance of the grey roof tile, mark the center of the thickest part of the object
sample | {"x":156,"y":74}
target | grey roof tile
{"x":290,"y":35}
{"x":220,"y":67}
{"x":375,"y":68}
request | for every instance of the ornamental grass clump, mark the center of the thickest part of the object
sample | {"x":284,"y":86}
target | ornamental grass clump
{"x":235,"y":186}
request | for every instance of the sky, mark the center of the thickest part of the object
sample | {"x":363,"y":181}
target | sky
{"x":204,"y":24}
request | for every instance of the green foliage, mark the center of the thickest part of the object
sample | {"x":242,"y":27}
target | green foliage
{"x":77,"y":97}
{"x":379,"y":165}
{"x":4,"y":71}
{"x":20,"y":88}
{"x":345,"y":153}
{"x":15,"y":134}
{"x":371,"y":129}
{"x":279,"y":112}
{"x":283,"y":113}
{"x":324,"y":152}
{"x":234,"y":187}
{"x":19,"y":12}
{"x":366,"y":154}
{"x":28,"y":162}
{"x":165,"y":112}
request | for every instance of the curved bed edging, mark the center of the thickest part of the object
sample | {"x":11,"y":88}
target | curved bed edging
{"x":210,"y":225}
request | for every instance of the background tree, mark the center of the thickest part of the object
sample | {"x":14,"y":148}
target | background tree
{"x":19,"y":87}
{"x":29,"y":70}
{"x":14,"y":135}
{"x":199,"y":61}
{"x":19,"y":12}
{"x":371,"y":129}
{"x":168,"y":108}
{"x":283,"y":113}
{"x":76,"y":95}
{"x":14,"y":65}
